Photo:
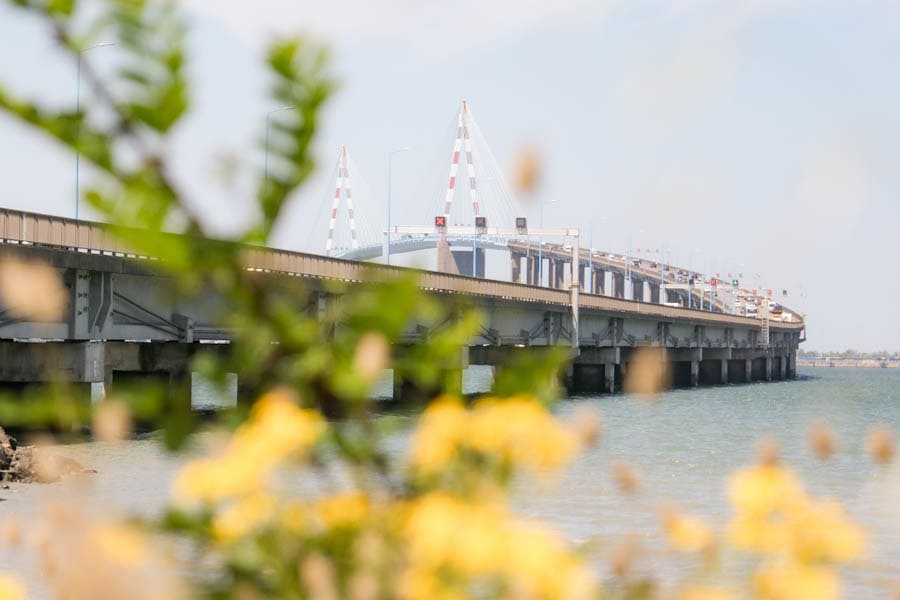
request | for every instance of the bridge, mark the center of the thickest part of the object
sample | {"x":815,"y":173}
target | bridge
{"x":533,"y":259}
{"x":120,"y":319}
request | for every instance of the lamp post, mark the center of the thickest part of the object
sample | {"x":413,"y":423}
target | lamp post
{"x":78,"y":110}
{"x":590,"y":289}
{"x":541,"y":245}
{"x":268,"y":122}
{"x":691,"y":279}
{"x":390,"y":164}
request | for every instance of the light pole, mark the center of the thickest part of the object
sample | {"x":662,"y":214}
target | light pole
{"x":266,"y":162}
{"x":541,"y":245}
{"x":78,"y":110}
{"x":691,"y":280}
{"x":390,"y":164}
{"x":628,"y":282}
{"x":590,"y":289}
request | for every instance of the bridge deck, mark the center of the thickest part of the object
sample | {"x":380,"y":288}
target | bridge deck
{"x":25,"y":228}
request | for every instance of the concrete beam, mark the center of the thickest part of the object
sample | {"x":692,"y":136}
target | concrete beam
{"x":599,"y":356}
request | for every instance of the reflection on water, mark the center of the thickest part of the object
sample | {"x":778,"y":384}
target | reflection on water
{"x":684,"y":446}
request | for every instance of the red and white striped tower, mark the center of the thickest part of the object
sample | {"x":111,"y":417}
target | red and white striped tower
{"x":342,"y":185}
{"x":463,"y":142}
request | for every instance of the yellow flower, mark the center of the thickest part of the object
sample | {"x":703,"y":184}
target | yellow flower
{"x":796,"y":582}
{"x":438,"y":434}
{"x":763,"y":489}
{"x":242,"y":516}
{"x":516,"y":430}
{"x":688,"y":534}
{"x":10,"y":589}
{"x":521,"y":431}
{"x":759,"y":534}
{"x":483,"y":542}
{"x":122,"y":544}
{"x":343,"y":510}
{"x":276,"y":430}
{"x":294,"y":517}
{"x":821,"y":531}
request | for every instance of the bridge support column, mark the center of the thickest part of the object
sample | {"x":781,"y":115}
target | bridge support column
{"x":515,"y":264}
{"x":695,"y":373}
{"x":723,"y":368}
{"x":782,"y":367}
{"x":645,"y":292}
{"x":609,"y":377}
{"x":531,"y":266}
{"x":598,"y":281}
{"x":618,"y":285}
{"x":768,"y":368}
{"x":792,"y":364}
{"x":748,"y":368}
{"x":560,"y":274}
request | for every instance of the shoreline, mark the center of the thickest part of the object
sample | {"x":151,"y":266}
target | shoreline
{"x":862,"y":364}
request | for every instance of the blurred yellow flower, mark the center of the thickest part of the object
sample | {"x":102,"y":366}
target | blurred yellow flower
{"x":343,"y":510}
{"x":276,"y":430}
{"x":517,"y":431}
{"x":242,"y":517}
{"x":774,"y":515}
{"x":761,"y":489}
{"x":758,"y":533}
{"x":438,"y":433}
{"x":482,"y":542}
{"x":796,"y":582}
{"x":820,"y":531}
{"x":10,"y":588}
{"x":122,"y":544}
{"x":520,"y":431}
{"x":688,"y":534}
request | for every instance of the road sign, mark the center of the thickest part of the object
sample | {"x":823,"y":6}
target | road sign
{"x":734,"y":282}
{"x":440,"y":223}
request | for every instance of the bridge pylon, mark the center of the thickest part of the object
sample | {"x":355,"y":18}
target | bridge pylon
{"x":462,"y":145}
{"x":342,"y":188}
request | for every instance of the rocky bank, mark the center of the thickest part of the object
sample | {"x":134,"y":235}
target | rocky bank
{"x":28,"y":464}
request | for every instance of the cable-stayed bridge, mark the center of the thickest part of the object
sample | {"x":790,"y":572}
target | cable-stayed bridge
{"x":470,"y":228}
{"x":121,"y":317}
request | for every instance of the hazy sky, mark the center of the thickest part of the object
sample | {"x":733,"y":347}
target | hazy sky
{"x":759,"y":136}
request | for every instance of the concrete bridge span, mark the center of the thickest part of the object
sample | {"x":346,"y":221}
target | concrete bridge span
{"x":121,"y":317}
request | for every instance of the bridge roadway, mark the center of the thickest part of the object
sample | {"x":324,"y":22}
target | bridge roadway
{"x":611,"y":276}
{"x":121,"y":317}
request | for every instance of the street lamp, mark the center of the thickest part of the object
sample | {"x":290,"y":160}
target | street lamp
{"x":541,"y":245}
{"x":628,"y":279}
{"x":268,"y":119}
{"x":78,"y":110}
{"x":591,"y":253}
{"x":390,"y":163}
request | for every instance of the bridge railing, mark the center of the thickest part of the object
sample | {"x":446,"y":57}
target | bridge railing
{"x":47,"y":230}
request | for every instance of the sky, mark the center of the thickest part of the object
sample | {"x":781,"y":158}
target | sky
{"x":758,"y":137}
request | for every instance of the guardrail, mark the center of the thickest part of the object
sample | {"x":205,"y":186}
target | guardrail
{"x":28,"y":228}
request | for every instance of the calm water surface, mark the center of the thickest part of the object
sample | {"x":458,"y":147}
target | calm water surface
{"x":684,"y":446}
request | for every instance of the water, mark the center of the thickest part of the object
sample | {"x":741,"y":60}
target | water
{"x":684,"y":446}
